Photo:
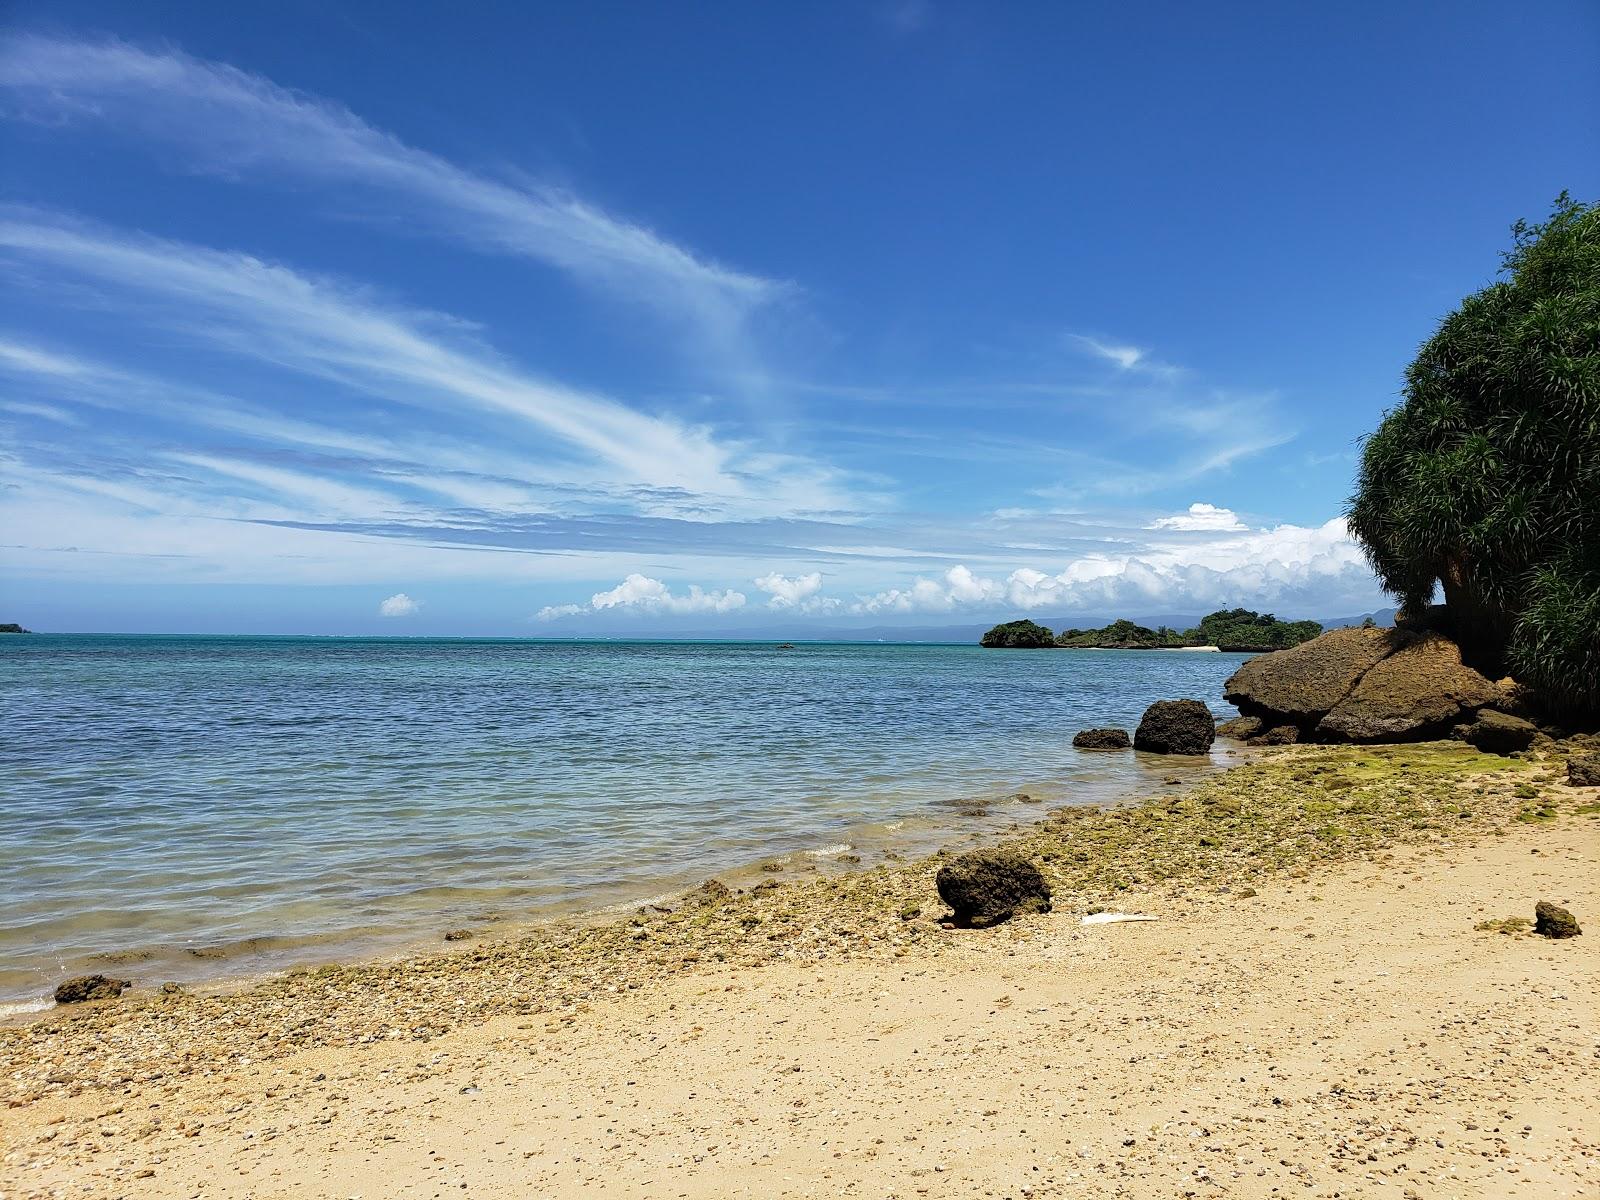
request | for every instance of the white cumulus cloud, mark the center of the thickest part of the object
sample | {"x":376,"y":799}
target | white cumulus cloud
{"x":640,"y":593}
{"x":398,"y":605}
{"x":1305,"y":568}
{"x":1202,"y":517}
{"x":798,"y":593}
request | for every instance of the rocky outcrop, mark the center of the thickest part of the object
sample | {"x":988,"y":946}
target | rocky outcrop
{"x":1375,"y":685}
{"x":984,"y":887}
{"x":1499,"y":733}
{"x":1584,"y":770}
{"x":90,"y":987}
{"x":1278,"y":735}
{"x":1242,"y":728}
{"x":1553,"y":921}
{"x":1176,"y":727}
{"x":708,"y":895}
{"x":1422,"y":689}
{"x":1299,"y":685}
{"x":1101,"y":739}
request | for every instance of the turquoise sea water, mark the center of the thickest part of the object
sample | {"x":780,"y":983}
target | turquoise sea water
{"x":190,"y":807}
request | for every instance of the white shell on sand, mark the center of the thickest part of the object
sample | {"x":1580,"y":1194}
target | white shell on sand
{"x":1114,"y":918}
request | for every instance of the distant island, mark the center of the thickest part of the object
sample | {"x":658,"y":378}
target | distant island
{"x":12,"y":627}
{"x":1237,"y":630}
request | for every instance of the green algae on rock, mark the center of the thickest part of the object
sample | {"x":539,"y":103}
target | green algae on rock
{"x":1553,"y":921}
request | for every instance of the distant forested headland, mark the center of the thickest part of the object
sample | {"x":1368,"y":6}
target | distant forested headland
{"x":1236,"y":629}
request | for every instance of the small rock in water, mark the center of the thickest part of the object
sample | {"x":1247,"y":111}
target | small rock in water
{"x":458,"y":935}
{"x":91,"y":987}
{"x":1102,"y":739}
{"x":1176,"y":727}
{"x":1552,"y":921}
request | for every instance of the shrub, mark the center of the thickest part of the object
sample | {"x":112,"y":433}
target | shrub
{"x":1485,"y":481}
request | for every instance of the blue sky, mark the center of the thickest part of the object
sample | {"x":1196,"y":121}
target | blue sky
{"x":562,"y":319}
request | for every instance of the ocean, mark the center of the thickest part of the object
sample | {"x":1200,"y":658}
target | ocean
{"x":198,"y":808}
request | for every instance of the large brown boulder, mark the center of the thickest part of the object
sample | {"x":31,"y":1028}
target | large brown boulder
{"x":1176,"y":727}
{"x":1302,"y":683}
{"x":1499,"y":733}
{"x":1420,"y":689}
{"x":984,"y":887}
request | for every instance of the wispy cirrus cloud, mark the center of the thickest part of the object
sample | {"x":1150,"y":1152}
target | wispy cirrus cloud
{"x":1124,"y":356}
{"x":244,"y":126}
{"x":346,"y":335}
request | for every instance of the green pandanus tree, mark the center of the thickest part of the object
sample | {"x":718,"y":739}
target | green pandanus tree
{"x":1485,"y":481}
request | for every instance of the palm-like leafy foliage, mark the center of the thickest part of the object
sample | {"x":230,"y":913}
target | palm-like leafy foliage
{"x":1486,"y":480}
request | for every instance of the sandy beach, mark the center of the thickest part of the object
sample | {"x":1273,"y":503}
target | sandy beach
{"x":1316,"y":1012}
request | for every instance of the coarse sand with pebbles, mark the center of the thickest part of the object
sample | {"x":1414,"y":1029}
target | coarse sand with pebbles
{"x":1332,"y":1003}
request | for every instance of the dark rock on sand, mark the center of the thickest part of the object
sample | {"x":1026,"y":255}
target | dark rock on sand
{"x":458,"y":935}
{"x":1498,"y":733}
{"x":91,"y":987}
{"x":1552,"y":921}
{"x":1242,"y":728}
{"x":709,"y":893}
{"x":1101,"y":739}
{"x":1304,"y":682}
{"x":1176,"y":727}
{"x":1584,"y":770}
{"x":984,"y":887}
{"x":1278,"y":735}
{"x":1422,"y":688}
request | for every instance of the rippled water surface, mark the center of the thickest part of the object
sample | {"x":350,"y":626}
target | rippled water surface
{"x":173,"y":803}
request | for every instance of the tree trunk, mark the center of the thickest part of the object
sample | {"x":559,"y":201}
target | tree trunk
{"x":1481,"y":630}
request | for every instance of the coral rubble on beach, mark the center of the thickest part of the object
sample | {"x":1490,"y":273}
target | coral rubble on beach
{"x":1286,"y":812}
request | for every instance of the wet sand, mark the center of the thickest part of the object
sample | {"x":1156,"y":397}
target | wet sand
{"x":1314,"y":1014}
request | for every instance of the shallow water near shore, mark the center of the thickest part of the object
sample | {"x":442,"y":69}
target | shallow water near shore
{"x":195,"y":808}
